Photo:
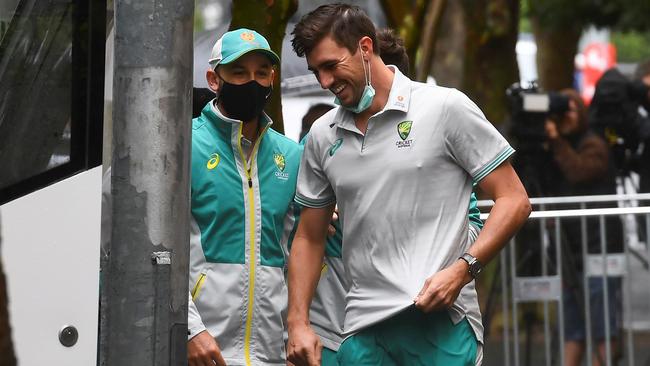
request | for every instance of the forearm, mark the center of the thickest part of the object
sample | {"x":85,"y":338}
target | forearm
{"x":442,"y":288}
{"x":304,"y":271}
{"x":506,"y":217}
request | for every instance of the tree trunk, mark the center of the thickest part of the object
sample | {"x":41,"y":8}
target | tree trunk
{"x":269,"y":18}
{"x":431,"y":26}
{"x":490,"y":63}
{"x":407,"y":21}
{"x":449,"y":55}
{"x":481,"y":60}
{"x":556,"y":50}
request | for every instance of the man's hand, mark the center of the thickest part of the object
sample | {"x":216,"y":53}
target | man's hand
{"x":203,"y":350}
{"x":304,"y":347}
{"x":441,"y":290}
{"x":551,"y":130}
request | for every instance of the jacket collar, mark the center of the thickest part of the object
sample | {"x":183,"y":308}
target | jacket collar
{"x":214,"y":115}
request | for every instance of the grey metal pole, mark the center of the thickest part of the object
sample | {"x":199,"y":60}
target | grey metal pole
{"x":585,"y":286}
{"x":605,"y":277}
{"x":560,"y":303}
{"x":504,"y":302}
{"x":544,"y":245}
{"x":627,"y":308}
{"x":144,"y":285}
{"x":515,"y":312}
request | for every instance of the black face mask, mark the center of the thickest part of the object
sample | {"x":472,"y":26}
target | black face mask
{"x":245,"y":101}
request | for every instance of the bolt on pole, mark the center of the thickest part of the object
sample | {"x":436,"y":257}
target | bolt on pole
{"x":144,"y":281}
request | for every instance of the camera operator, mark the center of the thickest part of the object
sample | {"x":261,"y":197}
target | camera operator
{"x":580,"y":164}
{"x":581,"y":156}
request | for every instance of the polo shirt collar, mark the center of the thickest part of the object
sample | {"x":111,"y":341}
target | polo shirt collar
{"x":399,"y":99}
{"x":400,"y":92}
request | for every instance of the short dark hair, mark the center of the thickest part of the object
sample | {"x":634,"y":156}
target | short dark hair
{"x":314,"y":113}
{"x":347,"y":24}
{"x":392,"y":50}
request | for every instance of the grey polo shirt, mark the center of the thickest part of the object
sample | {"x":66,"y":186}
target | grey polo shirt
{"x":402,"y":191}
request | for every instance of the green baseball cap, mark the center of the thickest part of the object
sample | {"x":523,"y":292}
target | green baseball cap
{"x":234,"y":44}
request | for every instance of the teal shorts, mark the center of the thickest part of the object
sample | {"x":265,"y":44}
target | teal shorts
{"x":411,"y":338}
{"x":328,"y":357}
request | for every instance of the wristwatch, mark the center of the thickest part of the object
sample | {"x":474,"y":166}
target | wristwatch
{"x":475,"y":267}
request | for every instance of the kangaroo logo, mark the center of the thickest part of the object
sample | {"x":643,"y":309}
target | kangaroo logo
{"x":404,"y":129}
{"x":279,"y":161}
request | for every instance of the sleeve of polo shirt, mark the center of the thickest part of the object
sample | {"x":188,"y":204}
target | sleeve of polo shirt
{"x":471,"y":140}
{"x":313,"y":188}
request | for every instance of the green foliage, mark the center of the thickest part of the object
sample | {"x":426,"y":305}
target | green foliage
{"x":631,"y":46}
{"x":618,"y":14}
{"x":635,"y":15}
{"x":524,"y":18}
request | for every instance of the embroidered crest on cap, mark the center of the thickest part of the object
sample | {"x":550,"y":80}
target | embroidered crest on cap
{"x":247,"y":36}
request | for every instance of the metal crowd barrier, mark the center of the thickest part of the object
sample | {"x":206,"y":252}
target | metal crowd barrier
{"x":548,"y":287}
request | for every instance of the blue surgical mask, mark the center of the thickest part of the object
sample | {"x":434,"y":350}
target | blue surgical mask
{"x":368,"y":92}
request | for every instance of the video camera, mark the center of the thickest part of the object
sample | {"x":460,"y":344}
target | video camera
{"x":529,"y":110}
{"x":614,"y":110}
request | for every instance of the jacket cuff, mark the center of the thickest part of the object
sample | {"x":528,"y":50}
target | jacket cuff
{"x":194,"y":322}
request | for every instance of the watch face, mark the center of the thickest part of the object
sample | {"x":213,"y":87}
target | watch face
{"x":475,"y":269}
{"x":475,"y":266}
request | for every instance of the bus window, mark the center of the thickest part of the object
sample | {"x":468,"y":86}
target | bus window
{"x":50,"y":92}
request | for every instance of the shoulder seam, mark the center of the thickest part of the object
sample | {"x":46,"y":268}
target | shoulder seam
{"x":197,"y":123}
{"x":282,"y":138}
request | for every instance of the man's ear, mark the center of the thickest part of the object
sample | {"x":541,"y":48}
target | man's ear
{"x":365,"y":43}
{"x":213,"y":80}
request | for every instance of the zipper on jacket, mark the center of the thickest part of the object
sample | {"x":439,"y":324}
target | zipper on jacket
{"x":197,"y":286}
{"x":252,"y":244}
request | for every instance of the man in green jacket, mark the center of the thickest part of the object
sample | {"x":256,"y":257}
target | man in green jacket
{"x":243,"y":183}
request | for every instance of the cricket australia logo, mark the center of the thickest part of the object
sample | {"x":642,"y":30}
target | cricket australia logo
{"x":249,"y":37}
{"x":404,"y":130}
{"x":280,"y":163}
{"x":335,"y":146}
{"x":213,"y":162}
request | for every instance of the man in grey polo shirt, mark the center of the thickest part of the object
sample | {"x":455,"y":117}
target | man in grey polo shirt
{"x":399,"y":158}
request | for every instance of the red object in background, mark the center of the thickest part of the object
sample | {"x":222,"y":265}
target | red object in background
{"x":598,"y":58}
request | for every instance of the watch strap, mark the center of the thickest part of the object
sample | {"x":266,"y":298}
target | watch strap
{"x":475,"y":267}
